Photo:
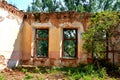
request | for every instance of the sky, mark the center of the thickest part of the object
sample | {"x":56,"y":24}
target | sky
{"x":20,"y":4}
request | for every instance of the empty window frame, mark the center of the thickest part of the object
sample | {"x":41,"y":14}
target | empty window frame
{"x":42,"y":37}
{"x":69,"y":43}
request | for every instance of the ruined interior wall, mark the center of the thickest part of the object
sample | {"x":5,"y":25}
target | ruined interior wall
{"x":56,"y":22}
{"x":10,"y":37}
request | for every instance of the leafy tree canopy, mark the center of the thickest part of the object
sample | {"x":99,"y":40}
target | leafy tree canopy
{"x":101,"y":25}
{"x":74,"y":5}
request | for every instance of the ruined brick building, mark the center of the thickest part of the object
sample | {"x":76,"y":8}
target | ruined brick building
{"x":23,"y":34}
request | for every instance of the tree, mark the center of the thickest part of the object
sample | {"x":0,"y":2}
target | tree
{"x":116,"y":6}
{"x":80,"y":5}
{"x":75,"y":5}
{"x":101,"y":28}
{"x":44,"y":6}
{"x":92,"y":5}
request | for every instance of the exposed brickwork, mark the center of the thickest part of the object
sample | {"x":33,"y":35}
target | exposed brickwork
{"x":58,"y":17}
{"x":41,"y":62}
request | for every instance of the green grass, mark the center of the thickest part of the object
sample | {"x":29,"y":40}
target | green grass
{"x":82,"y":72}
{"x":2,"y":76}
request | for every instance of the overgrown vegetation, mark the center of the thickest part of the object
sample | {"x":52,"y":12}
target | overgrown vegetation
{"x":101,"y":30}
{"x":81,"y":72}
{"x":85,"y":72}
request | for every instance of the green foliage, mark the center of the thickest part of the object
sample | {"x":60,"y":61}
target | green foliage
{"x":24,"y":70}
{"x":87,"y":77}
{"x":101,"y":24}
{"x":102,"y":73}
{"x":1,"y":78}
{"x":42,"y":48}
{"x":37,"y":70}
{"x":85,"y":72}
{"x":42,"y":45}
{"x":74,"y":5}
{"x":82,"y":72}
{"x":44,"y":6}
{"x":28,"y":77}
{"x":69,"y":43}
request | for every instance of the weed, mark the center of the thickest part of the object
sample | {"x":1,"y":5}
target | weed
{"x":69,"y":72}
{"x":76,"y":76}
{"x":28,"y":77}
{"x":87,"y":77}
{"x":85,"y":72}
{"x":37,"y":70}
{"x":24,"y":70}
{"x":1,"y":78}
{"x":102,"y":72}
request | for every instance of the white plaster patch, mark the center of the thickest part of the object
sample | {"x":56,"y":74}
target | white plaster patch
{"x":74,"y":24}
{"x":3,"y":12}
{"x":65,"y":24}
{"x":43,"y":25}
